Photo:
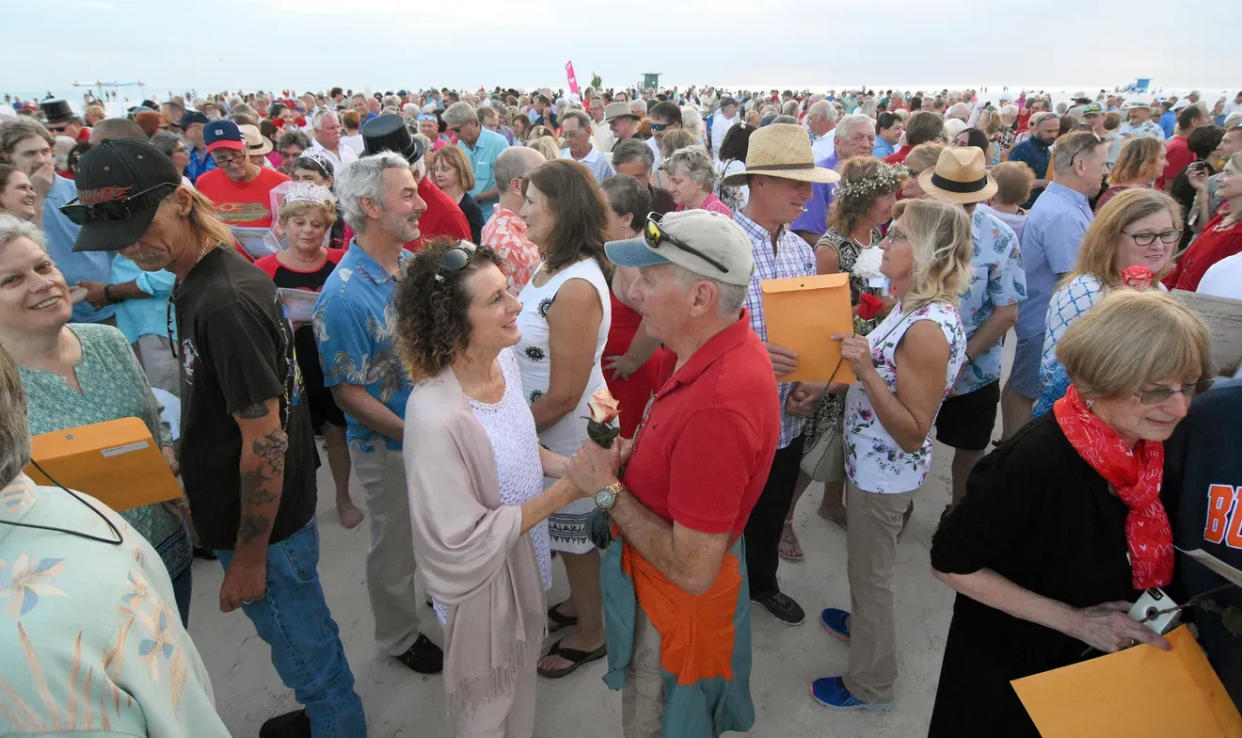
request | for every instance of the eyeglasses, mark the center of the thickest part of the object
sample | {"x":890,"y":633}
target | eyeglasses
{"x":1157,"y":396}
{"x":1147,"y":238}
{"x":222,"y":162}
{"x":114,"y":211}
{"x":454,"y":260}
{"x":655,"y":236}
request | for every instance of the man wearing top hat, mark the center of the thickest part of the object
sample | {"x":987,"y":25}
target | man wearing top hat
{"x":62,"y":121}
{"x":780,"y":169}
{"x":353,"y":322}
{"x":247,"y":457}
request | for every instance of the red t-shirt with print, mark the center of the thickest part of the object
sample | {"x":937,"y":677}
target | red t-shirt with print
{"x":245,"y":204}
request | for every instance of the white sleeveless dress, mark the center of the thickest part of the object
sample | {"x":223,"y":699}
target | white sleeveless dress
{"x":568,"y":527}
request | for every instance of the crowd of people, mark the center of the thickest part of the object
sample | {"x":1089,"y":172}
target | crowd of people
{"x":497,"y":275}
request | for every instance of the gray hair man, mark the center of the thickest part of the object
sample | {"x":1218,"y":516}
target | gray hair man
{"x":326,"y":128}
{"x":576,"y":130}
{"x":379,"y":197}
{"x":505,"y":231}
{"x":689,"y":486}
{"x":855,"y":136}
{"x":482,"y":147}
{"x":821,"y":119}
{"x":634,"y":158}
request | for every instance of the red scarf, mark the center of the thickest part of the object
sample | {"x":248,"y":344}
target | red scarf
{"x":1136,"y":475}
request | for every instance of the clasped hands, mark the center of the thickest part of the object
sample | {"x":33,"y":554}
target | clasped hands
{"x":594,"y":467}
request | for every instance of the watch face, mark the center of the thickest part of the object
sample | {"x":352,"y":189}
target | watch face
{"x":604,"y":498}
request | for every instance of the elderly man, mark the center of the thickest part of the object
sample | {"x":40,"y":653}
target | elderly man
{"x":780,"y":169}
{"x":855,"y":136}
{"x":505,"y":231}
{"x":1036,"y":151}
{"x":720,"y":123}
{"x":604,"y":139}
{"x":576,"y":130}
{"x":1139,"y":122}
{"x":988,"y":308}
{"x":27,"y":145}
{"x":541,"y":113}
{"x":239,"y":188}
{"x":201,"y":162}
{"x":326,"y":128}
{"x":379,"y":197}
{"x":1050,"y":241}
{"x":664,"y":117}
{"x":622,"y":122}
{"x":247,"y":455}
{"x":694,"y":473}
{"x":482,"y":147}
{"x":821,"y":119}
{"x":634,"y":158}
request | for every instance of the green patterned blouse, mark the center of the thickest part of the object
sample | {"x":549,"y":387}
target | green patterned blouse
{"x":113,"y":386}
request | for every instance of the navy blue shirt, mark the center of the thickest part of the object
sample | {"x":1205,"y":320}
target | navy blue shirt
{"x":1036,"y":156}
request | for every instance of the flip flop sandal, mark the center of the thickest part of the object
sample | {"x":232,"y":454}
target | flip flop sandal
{"x":557,"y":621}
{"x":574,"y":656}
{"x":788,"y":537}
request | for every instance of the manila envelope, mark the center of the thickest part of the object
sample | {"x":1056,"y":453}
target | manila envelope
{"x":116,"y":462}
{"x":801,"y":313}
{"x":1139,"y":692}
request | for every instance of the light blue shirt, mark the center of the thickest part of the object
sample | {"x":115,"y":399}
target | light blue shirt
{"x":882,"y":148}
{"x":354,"y":331}
{"x":144,"y":315}
{"x":482,"y":160}
{"x":1050,"y":241}
{"x":997,"y":280}
{"x":93,"y":266}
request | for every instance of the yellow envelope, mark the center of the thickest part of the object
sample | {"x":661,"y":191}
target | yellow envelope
{"x":801,"y":313}
{"x":116,"y":462}
{"x":1138,"y":692}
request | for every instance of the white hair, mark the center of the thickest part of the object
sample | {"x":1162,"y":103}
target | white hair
{"x":364,"y":178}
{"x":856,"y":120}
{"x":824,"y":108}
{"x":13,"y":228}
{"x":317,"y":118}
{"x":731,"y":297}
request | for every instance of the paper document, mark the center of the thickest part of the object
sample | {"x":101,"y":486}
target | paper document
{"x":258,"y":242}
{"x":801,"y":313}
{"x":299,"y":304}
{"x":1223,"y":318}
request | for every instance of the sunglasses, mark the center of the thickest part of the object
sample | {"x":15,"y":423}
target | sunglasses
{"x":1147,"y":238}
{"x":660,"y":126}
{"x":655,"y":237}
{"x":1157,"y":396}
{"x":453,"y":261}
{"x":115,"y":211}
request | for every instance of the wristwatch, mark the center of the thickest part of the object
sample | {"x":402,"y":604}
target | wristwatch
{"x":606,"y":497}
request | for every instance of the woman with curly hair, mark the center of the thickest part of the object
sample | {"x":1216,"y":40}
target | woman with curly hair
{"x":1141,"y":160}
{"x":862,"y":202}
{"x":479,"y":506}
{"x":565,"y":319}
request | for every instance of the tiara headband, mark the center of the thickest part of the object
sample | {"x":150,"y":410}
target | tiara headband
{"x":309,"y":192}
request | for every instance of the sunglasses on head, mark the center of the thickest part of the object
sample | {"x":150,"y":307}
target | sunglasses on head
{"x":115,"y":211}
{"x":454,"y":260}
{"x":655,"y":237}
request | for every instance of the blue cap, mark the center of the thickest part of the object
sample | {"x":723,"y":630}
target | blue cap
{"x":191,"y":117}
{"x":223,"y":134}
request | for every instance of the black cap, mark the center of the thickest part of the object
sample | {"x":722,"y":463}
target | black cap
{"x":388,"y":133}
{"x":116,"y":171}
{"x":57,"y":111}
{"x":191,"y":117}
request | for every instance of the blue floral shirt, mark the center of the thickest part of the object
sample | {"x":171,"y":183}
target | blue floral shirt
{"x":998,"y":280}
{"x":354,"y":331}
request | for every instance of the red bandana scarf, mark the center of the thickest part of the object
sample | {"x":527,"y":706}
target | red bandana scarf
{"x":1135,"y":474}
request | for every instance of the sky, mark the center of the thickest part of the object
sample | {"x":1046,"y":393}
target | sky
{"x":211,"y":45}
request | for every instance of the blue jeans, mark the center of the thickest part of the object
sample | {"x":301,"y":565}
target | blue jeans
{"x":306,"y":646}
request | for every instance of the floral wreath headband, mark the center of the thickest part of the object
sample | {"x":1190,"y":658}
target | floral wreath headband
{"x":887,"y":177}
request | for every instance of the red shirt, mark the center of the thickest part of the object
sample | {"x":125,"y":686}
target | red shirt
{"x":247,"y":204}
{"x":899,"y":157}
{"x":1176,"y":155}
{"x":1210,"y":247}
{"x":704,"y":449}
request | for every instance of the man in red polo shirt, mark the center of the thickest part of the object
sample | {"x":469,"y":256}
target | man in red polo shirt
{"x":697,"y":466}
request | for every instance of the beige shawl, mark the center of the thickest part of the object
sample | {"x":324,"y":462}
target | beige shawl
{"x":469,"y":548}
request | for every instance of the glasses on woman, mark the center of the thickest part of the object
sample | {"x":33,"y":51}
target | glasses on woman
{"x":1147,"y":238}
{"x":1157,"y":396}
{"x":655,"y":237}
{"x":80,"y":213}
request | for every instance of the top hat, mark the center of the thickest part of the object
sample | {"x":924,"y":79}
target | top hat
{"x":57,"y":111}
{"x":388,"y":133}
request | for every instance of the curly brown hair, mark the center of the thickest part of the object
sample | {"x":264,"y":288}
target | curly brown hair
{"x":846,"y":211}
{"x":432,"y":306}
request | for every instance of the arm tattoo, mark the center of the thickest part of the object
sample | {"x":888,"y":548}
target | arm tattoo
{"x":271,"y":448}
{"x":261,"y":485}
{"x":251,"y":527}
{"x":254,"y":412}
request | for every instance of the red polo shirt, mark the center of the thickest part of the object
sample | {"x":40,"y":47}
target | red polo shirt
{"x":703,"y":452}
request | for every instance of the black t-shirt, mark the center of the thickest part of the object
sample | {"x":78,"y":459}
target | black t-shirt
{"x":236,"y":351}
{"x":474,"y":216}
{"x":1202,"y":479}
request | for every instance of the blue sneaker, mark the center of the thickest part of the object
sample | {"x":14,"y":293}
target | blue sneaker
{"x":836,"y":622}
{"x":831,"y":692}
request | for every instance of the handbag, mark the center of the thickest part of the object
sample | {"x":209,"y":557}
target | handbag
{"x":824,"y":461}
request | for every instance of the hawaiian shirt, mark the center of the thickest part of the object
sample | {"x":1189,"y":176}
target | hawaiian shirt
{"x":997,"y":280}
{"x":505,"y":233}
{"x":792,"y":257}
{"x":1148,"y":128}
{"x":354,"y":331}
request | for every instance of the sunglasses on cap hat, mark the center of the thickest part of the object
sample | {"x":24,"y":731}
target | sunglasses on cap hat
{"x":80,"y":213}
{"x":655,"y":236}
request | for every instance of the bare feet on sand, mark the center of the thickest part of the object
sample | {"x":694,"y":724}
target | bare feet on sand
{"x":349,"y":513}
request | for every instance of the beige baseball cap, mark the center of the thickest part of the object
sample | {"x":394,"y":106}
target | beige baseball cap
{"x":706,"y":243}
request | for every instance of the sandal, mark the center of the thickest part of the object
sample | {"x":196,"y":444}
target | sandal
{"x":557,"y":621}
{"x":789,"y":548}
{"x":574,"y":656}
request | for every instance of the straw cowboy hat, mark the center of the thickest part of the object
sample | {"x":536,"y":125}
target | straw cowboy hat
{"x":960,"y":176}
{"x":618,"y":110}
{"x":782,"y":150}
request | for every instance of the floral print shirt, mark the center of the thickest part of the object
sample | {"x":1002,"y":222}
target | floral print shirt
{"x":505,"y":233}
{"x":873,"y":460}
{"x":354,"y":319}
{"x":997,"y":281}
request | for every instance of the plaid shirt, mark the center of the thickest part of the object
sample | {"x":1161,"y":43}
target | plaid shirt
{"x":792,"y":257}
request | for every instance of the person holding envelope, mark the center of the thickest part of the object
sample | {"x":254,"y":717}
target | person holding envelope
{"x":1062,"y":526}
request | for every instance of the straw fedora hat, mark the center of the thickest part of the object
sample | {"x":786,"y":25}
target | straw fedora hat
{"x":782,"y":150}
{"x":960,"y":176}
{"x":617,"y":110}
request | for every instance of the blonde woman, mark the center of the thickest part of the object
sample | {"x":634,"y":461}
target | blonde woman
{"x":905,"y":368}
{"x":1141,"y":160}
{"x":546,"y":145}
{"x":1139,"y":227}
{"x":451,"y":172}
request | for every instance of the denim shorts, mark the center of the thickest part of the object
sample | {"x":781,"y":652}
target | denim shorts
{"x":1024,"y":377}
